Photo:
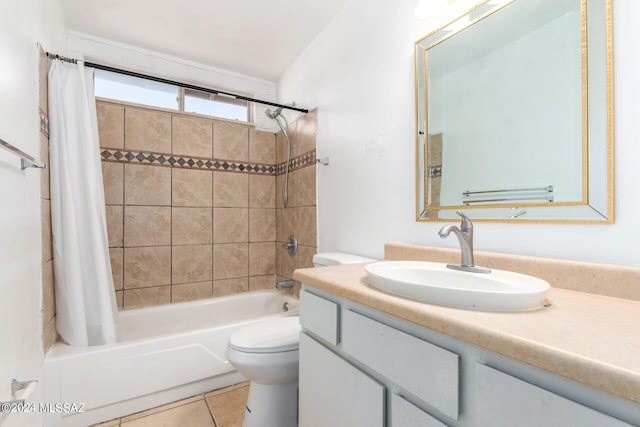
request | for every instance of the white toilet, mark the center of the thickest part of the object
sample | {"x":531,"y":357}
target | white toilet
{"x":266,"y":353}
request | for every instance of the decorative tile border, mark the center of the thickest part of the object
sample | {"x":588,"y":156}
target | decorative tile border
{"x":44,"y":122}
{"x":435,"y":171}
{"x":303,"y":160}
{"x":185,"y":162}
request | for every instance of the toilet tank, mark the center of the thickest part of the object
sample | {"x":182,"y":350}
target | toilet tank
{"x":324,"y":259}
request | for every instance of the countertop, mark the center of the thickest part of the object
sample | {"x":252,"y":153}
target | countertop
{"x":588,"y":338}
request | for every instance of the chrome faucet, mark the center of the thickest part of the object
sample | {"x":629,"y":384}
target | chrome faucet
{"x":465,"y":237}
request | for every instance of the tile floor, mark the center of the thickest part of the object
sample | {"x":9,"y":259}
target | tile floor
{"x":219,"y":408}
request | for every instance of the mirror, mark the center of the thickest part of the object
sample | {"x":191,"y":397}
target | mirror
{"x":514,"y":113}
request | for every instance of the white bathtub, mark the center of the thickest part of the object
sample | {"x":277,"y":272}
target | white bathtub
{"x":165,"y":353}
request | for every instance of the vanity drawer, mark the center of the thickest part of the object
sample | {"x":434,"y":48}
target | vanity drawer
{"x":406,"y":414}
{"x":423,"y":369}
{"x":504,"y":400}
{"x":319,"y":316}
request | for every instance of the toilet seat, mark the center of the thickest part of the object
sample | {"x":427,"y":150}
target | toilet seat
{"x":269,"y":336}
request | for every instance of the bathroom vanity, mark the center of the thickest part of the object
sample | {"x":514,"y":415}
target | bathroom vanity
{"x":368,"y":358}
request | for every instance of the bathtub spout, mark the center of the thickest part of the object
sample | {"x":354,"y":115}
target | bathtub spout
{"x":285,"y":284}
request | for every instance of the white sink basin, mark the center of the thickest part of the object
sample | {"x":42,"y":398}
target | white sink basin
{"x":435,"y":283}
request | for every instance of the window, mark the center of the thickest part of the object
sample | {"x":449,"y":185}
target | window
{"x":216,"y":105}
{"x":148,"y":92}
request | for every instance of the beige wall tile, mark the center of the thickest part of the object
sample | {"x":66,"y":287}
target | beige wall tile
{"x":49,"y":335}
{"x":230,"y":225}
{"x":262,"y":191}
{"x":230,"y":190}
{"x":143,"y":297}
{"x":230,"y":286}
{"x":120,"y":299}
{"x":262,"y":225}
{"x":147,"y":226}
{"x":43,"y":80}
{"x":304,"y":257}
{"x":147,"y":130}
{"x":193,"y":188}
{"x":116,"y":255}
{"x":280,"y":191}
{"x":110,"y":124}
{"x":45,"y":186}
{"x":230,"y":142}
{"x":113,"y":180}
{"x":48,"y":293}
{"x":147,"y":266}
{"x":307,"y":235}
{"x":191,"y":136}
{"x":191,"y":226}
{"x":262,"y":147}
{"x":47,"y":248}
{"x":191,"y":291}
{"x":115,"y":229}
{"x":285,"y":263}
{"x":305,"y":133}
{"x":147,"y":185}
{"x":281,"y":148}
{"x":191,"y":263}
{"x":230,"y":260}
{"x":262,"y":257}
{"x":292,"y":189}
{"x":287,"y":223}
{"x":262,"y":282}
{"x":306,"y":186}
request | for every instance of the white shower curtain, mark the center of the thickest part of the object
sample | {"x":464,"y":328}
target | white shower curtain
{"x":85,"y":298}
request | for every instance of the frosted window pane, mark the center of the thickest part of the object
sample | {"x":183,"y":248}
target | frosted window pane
{"x":215,"y":108}
{"x":136,"y":90}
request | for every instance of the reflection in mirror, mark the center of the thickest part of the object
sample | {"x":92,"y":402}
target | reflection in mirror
{"x":514,"y":113}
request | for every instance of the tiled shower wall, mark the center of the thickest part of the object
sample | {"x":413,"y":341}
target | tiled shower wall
{"x":299,"y":217}
{"x":49,"y":333}
{"x":192,"y":203}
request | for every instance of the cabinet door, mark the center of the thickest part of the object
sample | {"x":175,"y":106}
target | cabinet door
{"x":429,"y":372}
{"x":320,"y":316}
{"x":507,"y":401}
{"x":405,"y":414}
{"x":334,"y":393}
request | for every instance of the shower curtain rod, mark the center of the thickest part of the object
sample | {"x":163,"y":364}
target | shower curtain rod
{"x":175,"y":83}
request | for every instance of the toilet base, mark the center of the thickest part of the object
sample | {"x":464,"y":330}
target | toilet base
{"x":273,"y":405}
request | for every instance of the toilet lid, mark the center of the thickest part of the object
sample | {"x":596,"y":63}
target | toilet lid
{"x":269,"y":336}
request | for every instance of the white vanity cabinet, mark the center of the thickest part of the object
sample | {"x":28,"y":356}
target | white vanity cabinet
{"x":504,"y":400}
{"x":348,"y":362}
{"x":336,"y":393}
{"x":362,"y":367}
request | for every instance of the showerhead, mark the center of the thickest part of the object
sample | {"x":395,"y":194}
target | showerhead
{"x":273,"y":114}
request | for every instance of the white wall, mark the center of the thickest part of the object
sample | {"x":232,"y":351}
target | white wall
{"x":22,"y":25}
{"x":359,"y":73}
{"x":132,"y":58}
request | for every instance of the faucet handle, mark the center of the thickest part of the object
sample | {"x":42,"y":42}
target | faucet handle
{"x":466,"y":224}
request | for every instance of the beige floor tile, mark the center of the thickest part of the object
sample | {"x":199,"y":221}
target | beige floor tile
{"x":112,"y":423}
{"x":194,"y":414}
{"x":162,"y":408}
{"x":226,"y":389}
{"x":228,"y":407}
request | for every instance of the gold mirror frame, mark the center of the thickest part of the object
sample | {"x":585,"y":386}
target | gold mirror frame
{"x":596,"y":205}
